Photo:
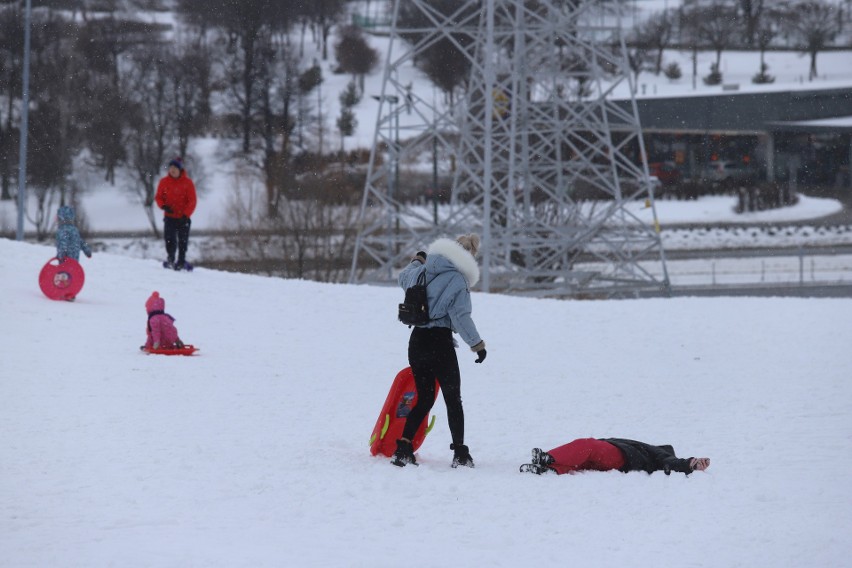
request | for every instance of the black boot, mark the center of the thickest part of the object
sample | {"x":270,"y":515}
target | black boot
{"x":533,"y":468}
{"x":461,"y":456}
{"x":540,"y":457}
{"x":404,"y":454}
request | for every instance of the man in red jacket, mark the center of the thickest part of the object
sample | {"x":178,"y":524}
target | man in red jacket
{"x":176,"y":197}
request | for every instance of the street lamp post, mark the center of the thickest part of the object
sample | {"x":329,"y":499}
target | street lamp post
{"x":434,"y":179}
{"x":393,"y":154}
{"x":25,"y":111}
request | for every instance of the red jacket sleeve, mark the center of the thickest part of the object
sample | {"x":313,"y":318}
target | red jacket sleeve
{"x":160,"y":197}
{"x":191,"y":199}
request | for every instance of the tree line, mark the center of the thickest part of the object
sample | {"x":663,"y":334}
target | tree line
{"x":127,"y":84}
{"x":114,"y":90}
{"x":807,"y":26}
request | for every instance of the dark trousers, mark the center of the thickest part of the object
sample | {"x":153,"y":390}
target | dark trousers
{"x":586,"y":453}
{"x":176,"y":232}
{"x":432,"y":356}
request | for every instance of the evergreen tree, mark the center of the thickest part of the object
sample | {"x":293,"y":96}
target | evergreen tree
{"x":347,"y":122}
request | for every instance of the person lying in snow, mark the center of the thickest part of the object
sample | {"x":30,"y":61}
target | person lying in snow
{"x":611,"y":453}
{"x":162,"y":333}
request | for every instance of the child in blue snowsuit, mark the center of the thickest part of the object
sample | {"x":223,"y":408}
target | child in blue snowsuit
{"x":69,"y":243}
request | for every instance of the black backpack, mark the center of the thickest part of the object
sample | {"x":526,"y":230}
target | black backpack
{"x":415,"y":309}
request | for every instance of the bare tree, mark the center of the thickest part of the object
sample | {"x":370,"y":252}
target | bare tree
{"x":324,"y":14}
{"x":813,"y":25}
{"x":148,"y":85}
{"x":637,"y":59}
{"x":11,"y":47}
{"x":709,"y":24}
{"x":716,"y":26}
{"x":191,"y":71}
{"x":690,"y":36}
{"x":444,"y":63}
{"x":321,"y":238}
{"x":245,"y":25}
{"x":655,"y":34}
{"x":103,"y":42}
{"x":764,"y":36}
{"x":54,"y":136}
{"x":310,"y":238}
{"x":276,"y":123}
{"x":752,"y":11}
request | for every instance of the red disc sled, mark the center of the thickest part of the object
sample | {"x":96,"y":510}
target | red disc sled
{"x":401,"y":399}
{"x":61,"y":280}
{"x":185,"y":350}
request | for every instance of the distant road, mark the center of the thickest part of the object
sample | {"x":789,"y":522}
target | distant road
{"x":756,"y":252}
{"x":766,"y":290}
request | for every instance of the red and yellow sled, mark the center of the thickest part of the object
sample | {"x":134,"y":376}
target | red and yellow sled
{"x":401,"y":399}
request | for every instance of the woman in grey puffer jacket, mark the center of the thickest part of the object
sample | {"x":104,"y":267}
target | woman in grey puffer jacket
{"x":451,"y":270}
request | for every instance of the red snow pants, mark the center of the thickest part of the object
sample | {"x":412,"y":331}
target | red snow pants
{"x":586,"y":453}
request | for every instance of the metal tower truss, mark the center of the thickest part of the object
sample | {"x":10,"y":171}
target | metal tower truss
{"x":549,"y":168}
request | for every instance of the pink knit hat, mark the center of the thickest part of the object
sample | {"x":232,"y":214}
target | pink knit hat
{"x":155,"y":303}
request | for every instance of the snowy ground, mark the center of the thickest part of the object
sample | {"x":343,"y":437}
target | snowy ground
{"x":255,"y":452}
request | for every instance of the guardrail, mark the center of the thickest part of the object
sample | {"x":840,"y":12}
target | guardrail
{"x":798,"y":265}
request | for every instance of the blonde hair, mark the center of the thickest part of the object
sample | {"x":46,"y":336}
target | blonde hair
{"x":469,"y":242}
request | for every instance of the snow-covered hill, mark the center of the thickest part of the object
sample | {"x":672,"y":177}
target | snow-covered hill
{"x":255,"y":452}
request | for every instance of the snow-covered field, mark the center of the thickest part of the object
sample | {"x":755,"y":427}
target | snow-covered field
{"x":255,"y":452}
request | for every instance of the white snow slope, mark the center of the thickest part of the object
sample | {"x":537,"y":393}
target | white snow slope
{"x":255,"y":452}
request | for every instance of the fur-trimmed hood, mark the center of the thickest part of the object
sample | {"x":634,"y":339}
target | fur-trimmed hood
{"x":458,"y":256}
{"x":450,"y":272}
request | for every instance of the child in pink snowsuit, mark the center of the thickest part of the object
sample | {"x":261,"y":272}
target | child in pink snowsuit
{"x":162,"y":333}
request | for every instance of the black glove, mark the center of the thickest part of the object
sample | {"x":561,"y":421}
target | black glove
{"x":482,"y":353}
{"x":167,"y":209}
{"x":421,"y":256}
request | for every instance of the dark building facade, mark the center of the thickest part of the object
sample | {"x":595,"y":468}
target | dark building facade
{"x":803,"y":136}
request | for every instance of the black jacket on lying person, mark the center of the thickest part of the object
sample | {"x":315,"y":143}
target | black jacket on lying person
{"x":639,"y":456}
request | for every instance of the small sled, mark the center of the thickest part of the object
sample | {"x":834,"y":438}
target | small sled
{"x":61,"y":280}
{"x":187,"y":349}
{"x":401,"y":399}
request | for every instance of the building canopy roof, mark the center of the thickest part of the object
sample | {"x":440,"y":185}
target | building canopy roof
{"x":838,"y":124}
{"x":823,"y":110}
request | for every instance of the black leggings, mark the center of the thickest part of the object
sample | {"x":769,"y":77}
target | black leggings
{"x":432,"y":355}
{"x":176,"y":232}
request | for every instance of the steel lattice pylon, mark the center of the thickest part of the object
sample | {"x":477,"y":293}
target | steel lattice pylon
{"x":546,"y":162}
